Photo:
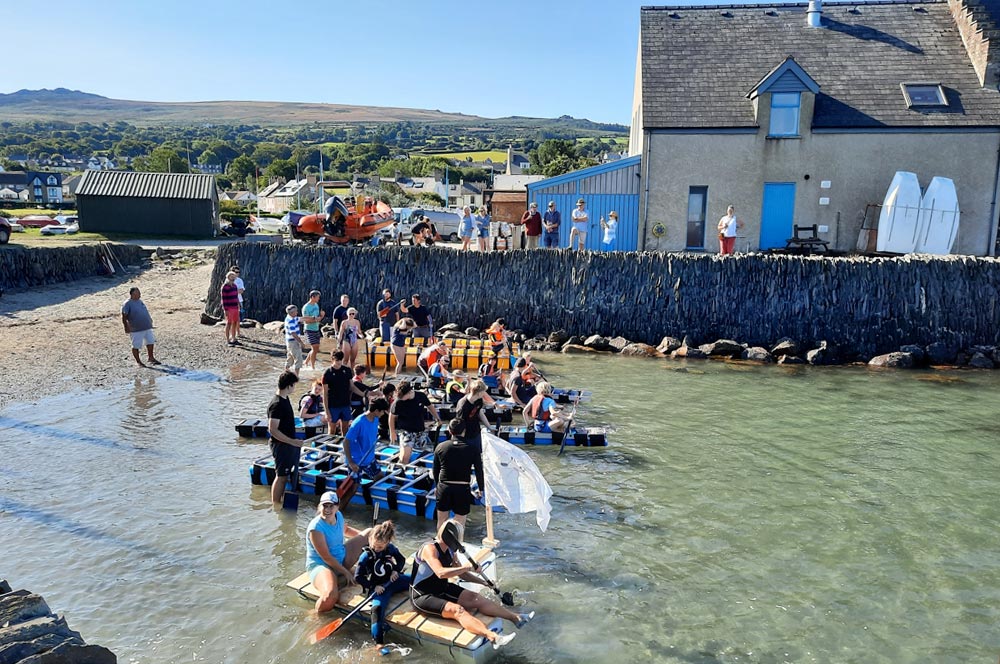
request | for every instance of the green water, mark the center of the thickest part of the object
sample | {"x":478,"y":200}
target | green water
{"x":741,"y":514}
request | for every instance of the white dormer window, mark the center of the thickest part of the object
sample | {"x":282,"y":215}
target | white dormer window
{"x":785,"y":113}
{"x":52,"y":180}
{"x":919,"y":95}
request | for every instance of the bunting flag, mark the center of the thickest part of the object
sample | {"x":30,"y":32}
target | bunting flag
{"x":513,"y":481}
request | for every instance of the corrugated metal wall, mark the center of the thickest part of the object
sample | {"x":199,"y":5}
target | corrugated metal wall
{"x":607,"y":187}
{"x":147,"y":216}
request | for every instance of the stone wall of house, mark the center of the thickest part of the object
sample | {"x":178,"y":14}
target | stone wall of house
{"x":22,"y":267}
{"x":858,"y":168}
{"x":865,"y":306}
{"x":979,"y":34}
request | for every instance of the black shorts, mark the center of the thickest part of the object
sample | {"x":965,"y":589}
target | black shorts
{"x":434,"y":604}
{"x":455,"y":498}
{"x":286,"y":458}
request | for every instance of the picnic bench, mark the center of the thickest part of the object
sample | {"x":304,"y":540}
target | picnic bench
{"x":806,"y":240}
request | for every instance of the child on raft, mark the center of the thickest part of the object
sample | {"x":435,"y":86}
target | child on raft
{"x":379,"y":572}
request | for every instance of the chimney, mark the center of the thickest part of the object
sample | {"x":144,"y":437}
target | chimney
{"x":510,"y":157}
{"x":981,"y":39}
{"x":815,"y":13}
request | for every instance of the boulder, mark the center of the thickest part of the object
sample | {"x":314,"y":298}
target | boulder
{"x":597,"y":342}
{"x":790,"y":359}
{"x":72,"y":653}
{"x":533,"y":344}
{"x":669,"y":345}
{"x":574,"y":340}
{"x":757,"y":354}
{"x":824,"y":354}
{"x":208,"y":320}
{"x":980,"y":361}
{"x":723,"y":348}
{"x":641,"y":350}
{"x":550,"y":346}
{"x":20,"y":650}
{"x":618,"y":343}
{"x":558,"y":337}
{"x":21,"y":605}
{"x":32,"y":629}
{"x":450,"y":327}
{"x":897,"y":360}
{"x":577,"y":349}
{"x":919,"y":356}
{"x":962,"y":359}
{"x":472,"y":331}
{"x":785,"y":347}
{"x":329,"y":330}
{"x":940,"y":352}
{"x":249,"y":322}
{"x":689,"y":352}
{"x":275,"y":326}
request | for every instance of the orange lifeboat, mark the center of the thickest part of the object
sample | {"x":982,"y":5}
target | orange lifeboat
{"x":344,"y":223}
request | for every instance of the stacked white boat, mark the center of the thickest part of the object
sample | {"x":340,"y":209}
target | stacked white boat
{"x":912,"y":221}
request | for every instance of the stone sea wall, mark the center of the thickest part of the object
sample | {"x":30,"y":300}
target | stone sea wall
{"x":864,"y":306}
{"x":22,"y":267}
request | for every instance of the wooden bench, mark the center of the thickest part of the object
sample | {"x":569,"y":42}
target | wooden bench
{"x":806,"y":240}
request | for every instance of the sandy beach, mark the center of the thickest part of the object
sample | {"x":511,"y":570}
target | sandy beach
{"x":69,"y":336}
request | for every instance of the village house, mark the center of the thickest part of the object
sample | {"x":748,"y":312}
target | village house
{"x":284,"y":196}
{"x":31,"y":186}
{"x":243,"y":198}
{"x":802,"y":115}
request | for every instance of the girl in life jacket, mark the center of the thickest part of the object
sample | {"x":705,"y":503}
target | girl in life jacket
{"x":455,"y":389}
{"x":311,"y":405}
{"x":497,"y":334}
{"x":379,"y":571}
{"x":541,"y":414}
{"x":489,"y":372}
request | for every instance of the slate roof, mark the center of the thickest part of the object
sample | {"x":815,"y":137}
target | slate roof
{"x":146,"y":185}
{"x":698,"y":63}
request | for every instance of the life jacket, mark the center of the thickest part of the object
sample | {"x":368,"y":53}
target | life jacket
{"x":436,"y":374}
{"x":535,"y":405}
{"x":454,"y":390}
{"x":489,"y":368}
{"x":496,"y":335}
{"x":315,"y":407}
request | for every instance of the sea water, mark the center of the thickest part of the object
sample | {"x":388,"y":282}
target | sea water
{"x":739,"y":514}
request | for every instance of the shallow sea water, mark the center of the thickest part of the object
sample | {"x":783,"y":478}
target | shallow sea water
{"x":740,"y":514}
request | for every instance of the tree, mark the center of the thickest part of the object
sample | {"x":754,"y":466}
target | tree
{"x":281,"y":168}
{"x":431,"y":198}
{"x":162,"y":160}
{"x":241,"y":168}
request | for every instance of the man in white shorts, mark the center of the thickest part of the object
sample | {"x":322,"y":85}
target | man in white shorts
{"x":139,"y":326}
{"x":580,"y":223}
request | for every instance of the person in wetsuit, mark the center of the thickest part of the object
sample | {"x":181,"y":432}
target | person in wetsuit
{"x":454,"y":462}
{"x":379,"y":571}
{"x":434,"y":593}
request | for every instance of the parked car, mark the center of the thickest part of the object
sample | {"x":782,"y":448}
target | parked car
{"x":405,"y":218}
{"x":61,"y":228}
{"x":5,"y":230}
{"x":446,"y":224}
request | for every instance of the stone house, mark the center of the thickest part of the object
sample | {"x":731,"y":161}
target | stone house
{"x":802,"y":114}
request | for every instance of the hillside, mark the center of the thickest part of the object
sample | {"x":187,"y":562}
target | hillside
{"x":75,"y":106}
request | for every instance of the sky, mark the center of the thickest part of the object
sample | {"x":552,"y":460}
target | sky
{"x":536,"y":58}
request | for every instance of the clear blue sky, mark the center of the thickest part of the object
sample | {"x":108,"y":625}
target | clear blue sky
{"x":513,"y":57}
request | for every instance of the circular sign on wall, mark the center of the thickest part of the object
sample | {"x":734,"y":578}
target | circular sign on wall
{"x":659,"y":229}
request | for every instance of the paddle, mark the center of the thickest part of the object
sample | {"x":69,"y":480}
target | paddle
{"x":333,"y":626}
{"x":451,"y":539}
{"x":562,"y":445}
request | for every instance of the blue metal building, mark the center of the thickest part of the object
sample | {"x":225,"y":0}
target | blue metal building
{"x":613,"y":186}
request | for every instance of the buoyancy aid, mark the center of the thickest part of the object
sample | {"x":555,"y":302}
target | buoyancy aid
{"x":535,"y":410}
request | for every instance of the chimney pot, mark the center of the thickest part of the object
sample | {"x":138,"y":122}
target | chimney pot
{"x":815,"y":13}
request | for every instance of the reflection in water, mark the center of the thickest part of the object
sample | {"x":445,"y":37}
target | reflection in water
{"x":741,"y":514}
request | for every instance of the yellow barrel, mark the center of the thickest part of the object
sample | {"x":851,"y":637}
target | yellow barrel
{"x":454,"y":343}
{"x":466,"y":359}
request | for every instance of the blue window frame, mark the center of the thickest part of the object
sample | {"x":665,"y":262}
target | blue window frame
{"x":785,"y":113}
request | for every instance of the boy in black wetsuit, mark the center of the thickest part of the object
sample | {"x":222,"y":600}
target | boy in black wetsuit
{"x":380,"y":571}
{"x":454,"y":461}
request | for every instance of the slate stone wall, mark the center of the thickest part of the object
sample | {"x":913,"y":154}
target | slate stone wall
{"x":21,"y":267}
{"x":863,"y":305}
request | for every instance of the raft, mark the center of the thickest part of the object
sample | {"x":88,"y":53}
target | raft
{"x":576,"y":436}
{"x":467,"y":359}
{"x":252,"y":428}
{"x":454,"y":343}
{"x":443,"y":637}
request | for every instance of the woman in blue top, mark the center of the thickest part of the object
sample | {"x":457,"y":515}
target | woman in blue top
{"x":400,"y":331}
{"x":483,"y":221}
{"x":329,"y":557}
{"x":466,"y":226}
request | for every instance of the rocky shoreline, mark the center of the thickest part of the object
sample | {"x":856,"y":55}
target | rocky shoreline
{"x":30,"y":633}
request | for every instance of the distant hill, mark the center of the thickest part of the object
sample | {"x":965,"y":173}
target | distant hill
{"x":75,"y":106}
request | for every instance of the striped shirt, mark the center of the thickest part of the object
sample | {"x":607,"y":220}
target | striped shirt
{"x":230,"y":296}
{"x":293,"y":326}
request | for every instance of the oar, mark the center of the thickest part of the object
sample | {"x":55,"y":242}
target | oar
{"x":507,"y":598}
{"x":334,"y":625}
{"x":562,"y":445}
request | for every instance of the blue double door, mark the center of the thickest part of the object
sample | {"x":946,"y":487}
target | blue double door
{"x":777,"y":214}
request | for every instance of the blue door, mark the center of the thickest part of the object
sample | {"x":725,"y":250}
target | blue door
{"x":778,"y":214}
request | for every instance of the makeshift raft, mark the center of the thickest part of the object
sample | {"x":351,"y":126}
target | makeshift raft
{"x":445,"y":637}
{"x":515,"y":347}
{"x":254,"y":428}
{"x":576,"y":436}
{"x":468,"y":359}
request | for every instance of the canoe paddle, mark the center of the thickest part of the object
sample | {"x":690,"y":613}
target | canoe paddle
{"x":562,"y":445}
{"x":449,"y":537}
{"x":333,"y":626}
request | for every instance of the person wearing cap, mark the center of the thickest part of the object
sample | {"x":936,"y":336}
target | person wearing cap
{"x":329,"y":554}
{"x":311,"y":317}
{"x":439,"y":374}
{"x":531,"y":227}
{"x":610,"y":228}
{"x":281,"y":426}
{"x":550,"y":222}
{"x":581,"y":221}
{"x":420,"y":315}
{"x":454,"y":390}
{"x":434,"y":593}
{"x":349,"y":336}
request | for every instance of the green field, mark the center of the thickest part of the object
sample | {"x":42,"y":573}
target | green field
{"x":477,"y":155}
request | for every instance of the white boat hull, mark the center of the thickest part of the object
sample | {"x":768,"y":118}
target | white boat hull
{"x":898,"y":222}
{"x":939,"y":217}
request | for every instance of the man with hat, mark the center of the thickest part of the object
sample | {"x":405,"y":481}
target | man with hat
{"x":551,"y":220}
{"x":329,"y":554}
{"x":531,"y":222}
{"x":581,"y":220}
